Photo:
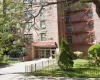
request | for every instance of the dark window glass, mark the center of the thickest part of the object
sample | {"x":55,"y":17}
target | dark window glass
{"x":90,"y":14}
{"x":90,"y":24}
{"x":28,"y":37}
{"x":69,"y":39}
{"x":28,"y":25}
{"x":28,"y":14}
{"x":68,"y":18}
{"x":43,"y":36}
{"x":69,"y":28}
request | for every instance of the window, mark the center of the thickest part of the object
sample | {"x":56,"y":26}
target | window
{"x":28,"y":14}
{"x":90,"y":14}
{"x":42,"y":13}
{"x":68,"y":18}
{"x":43,"y":36}
{"x":28,"y":37}
{"x":69,"y":28}
{"x":28,"y":1}
{"x":68,"y":9}
{"x":92,"y":38}
{"x":89,"y":4}
{"x":28,"y":25}
{"x":90,"y":24}
{"x":69,"y":39}
{"x":42,"y":24}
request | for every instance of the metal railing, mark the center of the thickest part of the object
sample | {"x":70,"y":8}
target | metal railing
{"x":29,"y":69}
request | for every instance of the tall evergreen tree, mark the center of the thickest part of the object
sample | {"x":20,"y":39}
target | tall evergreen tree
{"x":65,"y":58}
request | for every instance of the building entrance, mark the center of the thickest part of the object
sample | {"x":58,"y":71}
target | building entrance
{"x":46,"y":52}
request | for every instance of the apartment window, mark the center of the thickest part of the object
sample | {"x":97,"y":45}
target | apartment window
{"x":69,"y":39}
{"x":28,"y":37}
{"x":42,"y":24}
{"x":28,"y":1}
{"x":68,"y":9}
{"x":90,"y":14}
{"x":89,"y":4}
{"x":28,"y":25}
{"x":90,"y":24}
{"x":92,"y":38}
{"x":68,"y":18}
{"x":69,"y":28}
{"x":43,"y":36}
{"x":28,"y":14}
{"x":42,"y":13}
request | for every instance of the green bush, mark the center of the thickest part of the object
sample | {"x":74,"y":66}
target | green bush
{"x":78,"y":54}
{"x":94,"y":51}
{"x":65,"y":60}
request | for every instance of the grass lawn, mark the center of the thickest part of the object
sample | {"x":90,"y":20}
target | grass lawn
{"x":79,"y":70}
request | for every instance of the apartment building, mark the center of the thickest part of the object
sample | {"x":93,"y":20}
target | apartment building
{"x":42,"y":39}
{"x":80,"y":26}
{"x":77,"y":23}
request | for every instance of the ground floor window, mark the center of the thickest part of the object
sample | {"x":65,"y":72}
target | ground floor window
{"x":46,"y":52}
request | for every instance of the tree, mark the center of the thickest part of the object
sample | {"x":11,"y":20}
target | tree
{"x":65,"y":60}
{"x":10,"y":23}
{"x":94,"y":51}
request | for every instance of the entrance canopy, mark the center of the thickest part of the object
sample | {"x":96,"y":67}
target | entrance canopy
{"x":44,"y":44}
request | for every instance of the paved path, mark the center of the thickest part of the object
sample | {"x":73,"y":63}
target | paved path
{"x":15,"y":72}
{"x":18,"y":69}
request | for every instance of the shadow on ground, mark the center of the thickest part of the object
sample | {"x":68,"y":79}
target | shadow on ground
{"x":3,"y":65}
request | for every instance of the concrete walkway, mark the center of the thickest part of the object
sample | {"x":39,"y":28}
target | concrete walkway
{"x":20,"y":67}
{"x":16,"y":72}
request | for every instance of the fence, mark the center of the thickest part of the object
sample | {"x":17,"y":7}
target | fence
{"x":50,"y":68}
{"x":81,"y":72}
{"x":38,"y":66}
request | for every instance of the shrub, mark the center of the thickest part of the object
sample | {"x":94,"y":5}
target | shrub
{"x":65,"y":61}
{"x":78,"y":54}
{"x":94,"y":51}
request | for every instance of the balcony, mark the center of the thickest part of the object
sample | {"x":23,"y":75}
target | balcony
{"x":80,"y":10}
{"x":81,"y":16}
{"x":78,"y":32}
{"x":83,"y":43}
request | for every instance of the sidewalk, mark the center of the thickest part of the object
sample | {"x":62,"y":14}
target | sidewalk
{"x":50,"y":78}
{"x":19,"y":67}
{"x":14,"y":71}
{"x":17,"y":72}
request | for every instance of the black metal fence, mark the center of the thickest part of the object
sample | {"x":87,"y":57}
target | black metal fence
{"x":29,"y":69}
{"x":82,"y":72}
{"x":50,"y":68}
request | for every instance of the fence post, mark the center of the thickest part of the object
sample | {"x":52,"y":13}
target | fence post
{"x":25,"y":70}
{"x":31,"y":68}
{"x":35,"y":66}
{"x":42,"y":64}
{"x":48,"y":62}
